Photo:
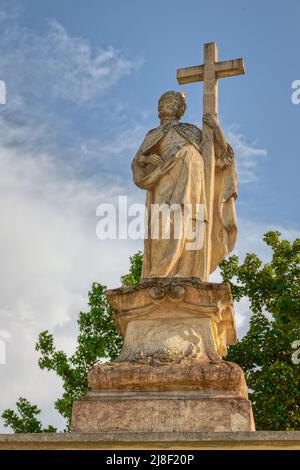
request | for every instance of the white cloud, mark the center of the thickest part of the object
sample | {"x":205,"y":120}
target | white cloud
{"x":49,"y":251}
{"x":79,"y":75}
{"x":49,"y":257}
{"x":115,"y":154}
{"x":57,"y":64}
{"x":248,"y":156}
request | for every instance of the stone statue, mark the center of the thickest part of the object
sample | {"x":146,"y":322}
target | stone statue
{"x":170,"y":376}
{"x":170,"y":166}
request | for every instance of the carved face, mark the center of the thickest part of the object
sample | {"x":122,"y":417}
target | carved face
{"x":171,"y":105}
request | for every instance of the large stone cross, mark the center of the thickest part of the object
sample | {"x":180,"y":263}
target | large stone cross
{"x":209,"y":73}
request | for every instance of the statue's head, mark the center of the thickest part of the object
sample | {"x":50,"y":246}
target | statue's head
{"x":171,"y":105}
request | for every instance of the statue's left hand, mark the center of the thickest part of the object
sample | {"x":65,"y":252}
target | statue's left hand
{"x":211,"y":120}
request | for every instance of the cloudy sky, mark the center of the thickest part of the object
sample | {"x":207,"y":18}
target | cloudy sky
{"x":82,"y":80}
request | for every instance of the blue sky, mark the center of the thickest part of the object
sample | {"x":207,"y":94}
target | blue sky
{"x":162,"y":36}
{"x":83,"y":80}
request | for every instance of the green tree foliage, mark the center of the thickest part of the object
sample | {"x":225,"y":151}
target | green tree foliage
{"x":265,"y":353}
{"x":25,"y":419}
{"x":98,"y":340}
{"x":133,"y":278}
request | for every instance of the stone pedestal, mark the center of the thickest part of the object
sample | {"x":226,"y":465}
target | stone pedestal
{"x":170,"y":376}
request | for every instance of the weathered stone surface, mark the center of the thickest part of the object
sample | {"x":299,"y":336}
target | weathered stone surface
{"x":174,"y":318}
{"x":169,"y":376}
{"x":192,"y":176}
{"x":186,"y":375}
{"x":161,"y":412}
{"x":259,"y":440}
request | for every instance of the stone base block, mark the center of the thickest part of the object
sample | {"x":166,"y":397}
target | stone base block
{"x":187,"y":375}
{"x":162,"y":412}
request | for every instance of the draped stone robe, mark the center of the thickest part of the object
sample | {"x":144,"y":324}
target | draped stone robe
{"x":180,"y":179}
